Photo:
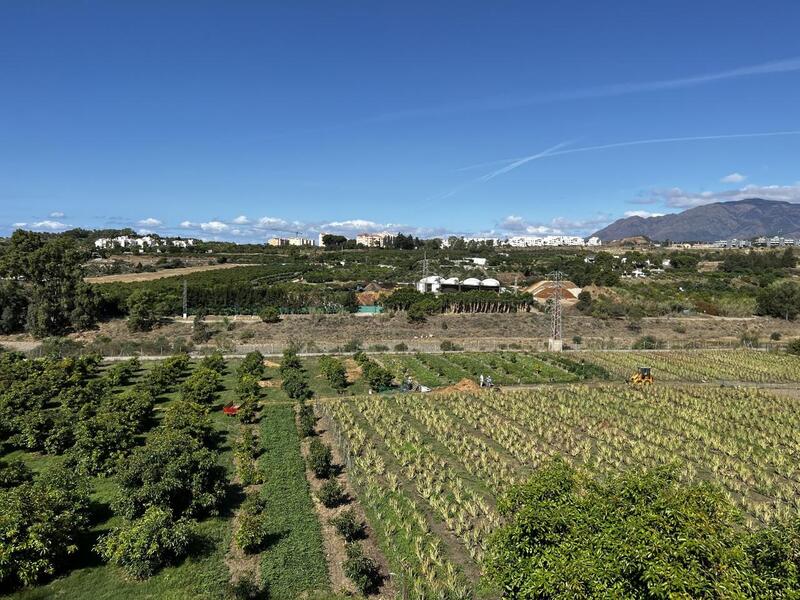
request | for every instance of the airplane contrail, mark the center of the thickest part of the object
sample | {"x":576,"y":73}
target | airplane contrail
{"x":618,"y":89}
{"x":513,"y":163}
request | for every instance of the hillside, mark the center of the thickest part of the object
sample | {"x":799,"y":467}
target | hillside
{"x":741,"y":219}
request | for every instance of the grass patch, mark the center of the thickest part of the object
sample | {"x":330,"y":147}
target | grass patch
{"x":293,"y":560}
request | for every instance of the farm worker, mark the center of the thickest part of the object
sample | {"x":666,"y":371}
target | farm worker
{"x":481,"y":380}
{"x":489,"y":381}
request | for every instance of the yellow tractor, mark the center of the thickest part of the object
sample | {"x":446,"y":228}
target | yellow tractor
{"x":642,"y":377}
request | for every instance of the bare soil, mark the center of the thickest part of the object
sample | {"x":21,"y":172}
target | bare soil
{"x":472,"y":331}
{"x":134,"y":277}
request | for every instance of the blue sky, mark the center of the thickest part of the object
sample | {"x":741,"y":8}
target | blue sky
{"x":235,"y":120}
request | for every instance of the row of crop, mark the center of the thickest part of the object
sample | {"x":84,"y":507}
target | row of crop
{"x":400,"y":523}
{"x":739,"y":438}
{"x":709,"y":365}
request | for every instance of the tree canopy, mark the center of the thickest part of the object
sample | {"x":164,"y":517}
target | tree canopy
{"x":634,"y":536}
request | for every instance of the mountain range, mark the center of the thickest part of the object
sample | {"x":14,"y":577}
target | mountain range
{"x":741,"y":219}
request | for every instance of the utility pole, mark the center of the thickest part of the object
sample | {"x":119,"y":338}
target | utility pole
{"x":185,"y":301}
{"x":556,"y":343}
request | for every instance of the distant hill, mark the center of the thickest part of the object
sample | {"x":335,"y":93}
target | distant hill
{"x":742,"y":219}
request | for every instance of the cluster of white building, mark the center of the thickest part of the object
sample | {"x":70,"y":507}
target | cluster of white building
{"x":762,"y":241}
{"x":292,"y":241}
{"x":551,"y":240}
{"x":141,"y":242}
{"x":383,"y":239}
{"x":529,"y":241}
{"x":437,"y":284}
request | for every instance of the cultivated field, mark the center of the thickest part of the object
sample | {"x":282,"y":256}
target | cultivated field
{"x":179,"y":272}
{"x":425,"y":470}
{"x":432,"y":467}
{"x":708,"y":365}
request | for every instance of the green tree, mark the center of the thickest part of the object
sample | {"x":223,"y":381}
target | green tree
{"x":201,"y":386}
{"x":40,"y":524}
{"x":189,"y":418}
{"x":142,"y":546}
{"x":13,"y":307}
{"x":145,"y":310}
{"x":636,"y":535}
{"x":781,"y":300}
{"x":172,"y":471}
{"x":50,"y":269}
{"x":252,"y":364}
{"x":270,"y":314}
{"x":295,"y":384}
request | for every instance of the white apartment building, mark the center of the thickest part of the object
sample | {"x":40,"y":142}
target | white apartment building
{"x":376,"y":240}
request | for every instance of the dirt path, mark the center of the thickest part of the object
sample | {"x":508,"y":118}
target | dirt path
{"x":335,"y":553}
{"x":135,"y":277}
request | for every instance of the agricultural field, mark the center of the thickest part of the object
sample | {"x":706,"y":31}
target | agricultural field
{"x":703,"y":365}
{"x":505,"y":368}
{"x":110,"y":412}
{"x":431,"y":467}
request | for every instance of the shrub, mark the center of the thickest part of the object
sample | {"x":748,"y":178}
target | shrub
{"x":214,"y":361}
{"x":248,"y":410}
{"x":775,"y":336}
{"x":401,"y":347}
{"x":361,"y":570}
{"x":334,"y":372}
{"x":142,"y":546}
{"x":290,"y":362}
{"x":40,"y":525}
{"x":252,"y":364}
{"x":201,"y":386}
{"x":247,"y":387}
{"x":352,"y":346}
{"x":793,"y":347}
{"x":295,"y":385}
{"x":173,"y":471}
{"x":331,"y":494}
{"x":270,"y":314}
{"x":189,"y":418}
{"x":748,"y":339}
{"x":648,"y":342}
{"x":377,"y":377}
{"x":307,"y":420}
{"x":320,"y":459}
{"x":416,"y":314}
{"x":13,"y":473}
{"x":448,"y":346}
{"x":251,"y":533}
{"x":348,"y":525}
{"x":378,"y":348}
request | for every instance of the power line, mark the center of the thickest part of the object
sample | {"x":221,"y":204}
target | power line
{"x":556,"y":343}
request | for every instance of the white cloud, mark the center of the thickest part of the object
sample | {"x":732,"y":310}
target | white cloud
{"x":18,"y":225}
{"x":149,"y":222}
{"x":556,"y":226}
{"x":188,"y":225}
{"x":241,"y":220}
{"x":51,"y":225}
{"x":733,"y":178}
{"x":679,"y":198}
{"x":642,"y":213}
{"x":271,"y":223}
{"x":355,"y":225}
{"x":57,"y":214}
{"x":214,"y":226}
